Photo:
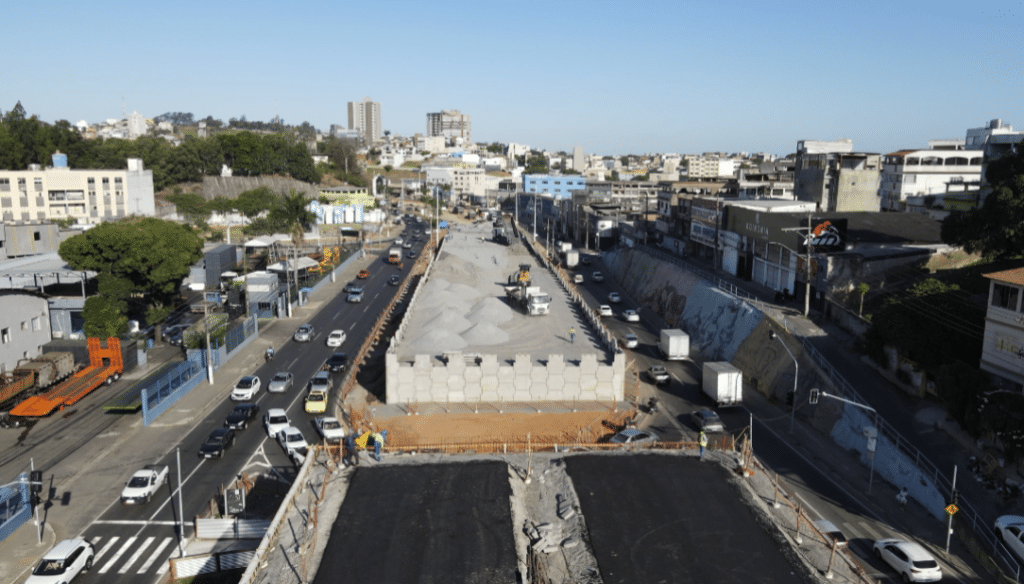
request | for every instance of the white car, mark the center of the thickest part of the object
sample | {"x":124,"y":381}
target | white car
{"x":614,"y":297}
{"x":336,"y":338}
{"x":631,"y":315}
{"x":330,"y":429}
{"x":275,"y":420}
{"x":291,"y":440}
{"x":577,"y":279}
{"x":63,"y":562}
{"x":910,"y":559}
{"x":1011,"y":529}
{"x":355,"y":296}
{"x":246,"y":388}
{"x":605,"y":310}
{"x":630,"y":341}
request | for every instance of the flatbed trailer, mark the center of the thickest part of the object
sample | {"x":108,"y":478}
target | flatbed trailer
{"x":105,"y":367}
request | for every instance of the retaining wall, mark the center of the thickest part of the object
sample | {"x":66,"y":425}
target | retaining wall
{"x":484,"y":379}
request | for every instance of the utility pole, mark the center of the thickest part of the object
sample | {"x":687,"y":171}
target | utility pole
{"x":807,"y":295}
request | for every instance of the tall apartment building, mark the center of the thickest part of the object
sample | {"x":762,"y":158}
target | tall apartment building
{"x":452,"y":124}
{"x":88,"y":196}
{"x":944,"y":167}
{"x":364,"y":116}
{"x":836,"y":178}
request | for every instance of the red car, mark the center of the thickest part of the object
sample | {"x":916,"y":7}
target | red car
{"x":363,"y":274}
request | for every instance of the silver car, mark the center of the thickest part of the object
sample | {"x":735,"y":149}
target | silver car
{"x":634,"y":436}
{"x":708,"y":421}
{"x":304,"y":334}
{"x":355,"y":296}
{"x":281,"y":382}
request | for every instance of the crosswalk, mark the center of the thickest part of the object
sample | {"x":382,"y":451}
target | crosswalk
{"x":131,"y":555}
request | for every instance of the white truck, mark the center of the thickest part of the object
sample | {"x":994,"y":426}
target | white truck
{"x":723,"y":382}
{"x":674,"y":344}
{"x":572,"y":259}
{"x":144,"y":484}
{"x":530,"y":298}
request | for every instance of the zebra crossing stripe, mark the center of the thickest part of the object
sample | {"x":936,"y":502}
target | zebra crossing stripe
{"x":156,"y":554}
{"x":136,"y":555}
{"x":105,"y":549}
{"x":127,"y":544}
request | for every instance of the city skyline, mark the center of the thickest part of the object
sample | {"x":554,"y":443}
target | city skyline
{"x":663,"y":77}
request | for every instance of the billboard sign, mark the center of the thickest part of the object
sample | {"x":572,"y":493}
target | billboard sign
{"x":825,"y":235}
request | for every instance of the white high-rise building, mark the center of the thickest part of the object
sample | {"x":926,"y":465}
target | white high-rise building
{"x":364,"y":116}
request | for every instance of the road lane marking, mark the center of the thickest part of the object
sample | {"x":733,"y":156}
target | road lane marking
{"x":113,"y":560}
{"x":132,"y":522}
{"x":138,"y":553}
{"x":105,"y":548}
{"x":156,"y":553}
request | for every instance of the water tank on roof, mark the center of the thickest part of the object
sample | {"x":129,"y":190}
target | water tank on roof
{"x":60,"y":160}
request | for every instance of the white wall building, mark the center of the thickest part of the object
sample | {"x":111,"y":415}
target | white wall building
{"x":919,"y":173}
{"x":453,"y":125}
{"x":431,"y":144}
{"x":710,"y":166}
{"x":468,"y":181}
{"x":136,"y":125}
{"x":88,"y":196}
{"x":1002,"y":352}
{"x":24,"y":327}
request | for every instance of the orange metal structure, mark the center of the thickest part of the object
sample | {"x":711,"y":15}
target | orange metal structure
{"x":105,"y":366}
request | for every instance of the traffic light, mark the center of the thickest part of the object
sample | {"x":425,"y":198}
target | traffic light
{"x":956,"y":497}
{"x":790,"y":397}
{"x":35,"y":479}
{"x":813,"y":399}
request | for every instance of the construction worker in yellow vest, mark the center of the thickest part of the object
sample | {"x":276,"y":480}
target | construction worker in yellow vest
{"x":378,"y":441}
{"x":703,"y":441}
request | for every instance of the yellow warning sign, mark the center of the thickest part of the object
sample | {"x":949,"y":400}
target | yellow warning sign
{"x":952,"y":509}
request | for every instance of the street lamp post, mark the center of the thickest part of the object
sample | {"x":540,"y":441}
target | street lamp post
{"x":796,"y":374}
{"x":871,"y":476}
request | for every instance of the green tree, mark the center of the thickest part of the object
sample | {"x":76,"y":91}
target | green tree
{"x":255,"y":201}
{"x":536,"y":164}
{"x":192,"y":206}
{"x":292,"y":213}
{"x":103,"y":318}
{"x":994,"y":228}
{"x":148,"y":255}
{"x":862,"y":289}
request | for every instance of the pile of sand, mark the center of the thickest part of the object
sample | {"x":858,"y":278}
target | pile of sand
{"x":484,"y":333}
{"x":491,"y":310}
{"x":437,"y":342}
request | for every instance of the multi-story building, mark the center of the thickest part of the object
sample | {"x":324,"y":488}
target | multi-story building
{"x":364,"y":116}
{"x":579,"y":162}
{"x":24,"y":326}
{"x":557,"y":185}
{"x":712,"y":167}
{"x":468,"y":181}
{"x":1002,"y":352}
{"x":994,"y":140}
{"x":136,"y":123}
{"x":944,"y":167}
{"x":835,"y":178}
{"x":86,"y":195}
{"x":454,"y":125}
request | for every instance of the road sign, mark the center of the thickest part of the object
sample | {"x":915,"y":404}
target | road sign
{"x":952,"y":509}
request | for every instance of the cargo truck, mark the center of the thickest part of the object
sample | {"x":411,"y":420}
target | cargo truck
{"x":572,"y":259}
{"x":723,"y":383}
{"x":674,"y":344}
{"x":105,"y":366}
{"x":530,"y":298}
{"x":395,"y":255}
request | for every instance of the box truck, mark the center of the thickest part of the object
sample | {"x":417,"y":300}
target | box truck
{"x":723,"y":383}
{"x":674,"y":344}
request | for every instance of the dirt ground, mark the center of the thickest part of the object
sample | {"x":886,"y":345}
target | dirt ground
{"x":511,"y":428}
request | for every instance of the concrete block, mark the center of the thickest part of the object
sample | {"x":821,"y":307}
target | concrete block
{"x":489,"y":395}
{"x":521,"y":362}
{"x":604,"y":390}
{"x":439,"y":374}
{"x":422,"y":362}
{"x":556,"y":363}
{"x":456,"y":383}
{"x":588,"y":382}
{"x":604,"y":373}
{"x":439,"y":393}
{"x":556,"y":383}
{"x":571,"y":375}
{"x":521,"y":396}
{"x":552,"y":395}
{"x":570,"y":542}
{"x":588,"y":364}
{"x":506,"y":390}
{"x":473,"y":393}
{"x":539,"y":374}
{"x":422,"y":384}
{"x":506,"y":373}
{"x":457,"y":396}
{"x":522,"y":382}
{"x":571,"y":392}
{"x":489,"y":382}
{"x":473,"y":375}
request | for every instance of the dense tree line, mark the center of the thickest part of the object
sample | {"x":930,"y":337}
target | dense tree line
{"x":994,"y":227}
{"x":26,"y":140}
{"x":268,"y":212}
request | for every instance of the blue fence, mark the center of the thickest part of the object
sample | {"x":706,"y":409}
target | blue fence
{"x":169,"y":389}
{"x":15,"y":506}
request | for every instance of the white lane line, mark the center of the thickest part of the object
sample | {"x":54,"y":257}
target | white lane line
{"x":163,"y":567}
{"x":132,"y":522}
{"x":808,"y":505}
{"x":105,"y":549}
{"x":136,"y":555}
{"x":124,"y":547}
{"x":156,"y":554}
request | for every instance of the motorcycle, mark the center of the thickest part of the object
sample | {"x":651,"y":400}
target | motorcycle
{"x":269,"y":355}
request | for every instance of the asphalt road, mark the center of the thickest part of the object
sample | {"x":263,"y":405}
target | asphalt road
{"x":422,"y":525}
{"x":134,"y":542}
{"x":658,"y":518}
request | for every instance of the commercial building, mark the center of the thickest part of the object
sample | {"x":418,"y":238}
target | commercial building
{"x":88,"y":196}
{"x":24,"y":326}
{"x":453,"y":125}
{"x":364,"y":117}
{"x":712,"y":167}
{"x":559,"y":186}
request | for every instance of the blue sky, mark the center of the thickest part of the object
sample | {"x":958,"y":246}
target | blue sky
{"x":613,"y":77}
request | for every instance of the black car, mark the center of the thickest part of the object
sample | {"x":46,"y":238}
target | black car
{"x":220,"y":440}
{"x":240,"y":417}
{"x":337,"y":362}
{"x":348,"y":287}
{"x":412,"y":255}
{"x":394,"y":280}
